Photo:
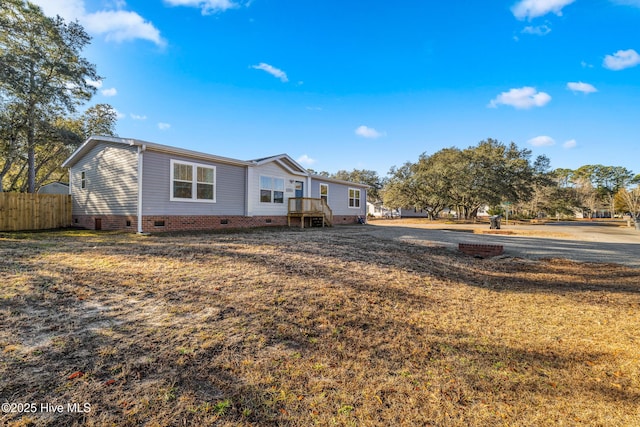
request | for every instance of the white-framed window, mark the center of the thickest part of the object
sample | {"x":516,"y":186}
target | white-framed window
{"x":192,"y":182}
{"x":271,"y":189}
{"x":83,"y":180}
{"x":324,"y":192}
{"x":354,"y":198}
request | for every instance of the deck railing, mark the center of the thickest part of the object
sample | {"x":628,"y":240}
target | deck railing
{"x":306,"y":206}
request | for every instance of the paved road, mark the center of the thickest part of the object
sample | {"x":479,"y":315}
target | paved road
{"x":578,"y":241}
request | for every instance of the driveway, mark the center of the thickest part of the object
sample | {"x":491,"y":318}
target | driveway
{"x":578,"y":241}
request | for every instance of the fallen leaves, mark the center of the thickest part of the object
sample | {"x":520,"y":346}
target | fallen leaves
{"x":76,"y":374}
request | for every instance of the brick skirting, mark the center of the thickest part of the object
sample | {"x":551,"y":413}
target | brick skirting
{"x":183,"y":223}
{"x":482,"y":251}
{"x":105,"y":222}
{"x":345,"y":219}
{"x":162,"y":223}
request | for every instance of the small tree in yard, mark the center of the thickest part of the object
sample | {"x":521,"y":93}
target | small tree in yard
{"x":629,"y":201}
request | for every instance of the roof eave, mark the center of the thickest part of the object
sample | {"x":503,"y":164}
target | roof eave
{"x":338,"y":181}
{"x":91,"y":141}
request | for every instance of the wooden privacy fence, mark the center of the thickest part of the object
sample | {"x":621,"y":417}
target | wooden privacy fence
{"x":24,"y":211}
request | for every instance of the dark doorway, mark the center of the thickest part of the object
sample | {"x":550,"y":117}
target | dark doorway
{"x":98,"y":224}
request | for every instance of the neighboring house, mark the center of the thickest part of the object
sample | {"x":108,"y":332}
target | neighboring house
{"x":413,"y":213}
{"x":128,"y":184}
{"x":483,"y":211}
{"x":54,"y":188}
{"x":377,"y":210}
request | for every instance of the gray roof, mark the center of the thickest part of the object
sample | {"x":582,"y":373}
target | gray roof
{"x":282,"y":159}
{"x":145,"y":145}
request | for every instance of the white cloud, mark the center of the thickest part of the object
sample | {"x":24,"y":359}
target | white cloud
{"x":275,"y":72}
{"x":305,"y":160}
{"x":581,"y":87}
{"x":138,"y":117}
{"x":110,"y":92}
{"x":528,"y":9}
{"x":96,"y":84}
{"x":207,"y":6}
{"x":163,"y":126}
{"x":540,"y":30}
{"x":570,"y":144}
{"x":522,"y":98}
{"x":115,"y":24}
{"x":120,"y":25}
{"x":585,"y":64}
{"x":367,"y":132}
{"x":541,"y":141}
{"x":68,"y":9}
{"x":621,"y":59}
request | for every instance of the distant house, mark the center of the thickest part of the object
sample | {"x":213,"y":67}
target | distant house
{"x":413,"y":213}
{"x":483,"y":211}
{"x":128,"y":184}
{"x":54,"y":188}
{"x":377,"y":210}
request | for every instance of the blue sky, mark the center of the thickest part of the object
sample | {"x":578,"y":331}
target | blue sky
{"x":370,"y":84}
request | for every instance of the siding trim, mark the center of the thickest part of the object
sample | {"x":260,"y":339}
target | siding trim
{"x":141,"y":149}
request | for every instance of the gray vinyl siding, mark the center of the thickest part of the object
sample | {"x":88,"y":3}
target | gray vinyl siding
{"x":111,"y":181}
{"x":338,"y":199}
{"x":230,"y":187}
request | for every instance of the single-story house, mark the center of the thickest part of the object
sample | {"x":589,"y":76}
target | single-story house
{"x":413,"y":213}
{"x":378,"y":210}
{"x":128,"y":184}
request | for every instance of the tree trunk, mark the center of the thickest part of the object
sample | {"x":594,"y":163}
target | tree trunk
{"x":31,"y":150}
{"x":31,"y":171}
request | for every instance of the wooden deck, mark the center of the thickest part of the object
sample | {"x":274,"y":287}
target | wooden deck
{"x":316,"y":210}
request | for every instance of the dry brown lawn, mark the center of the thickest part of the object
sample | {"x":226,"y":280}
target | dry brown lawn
{"x":313,"y":327}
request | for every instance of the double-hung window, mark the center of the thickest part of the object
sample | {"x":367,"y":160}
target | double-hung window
{"x":271,"y":189}
{"x":354,"y":198}
{"x":192,"y":182}
{"x":324,"y":192}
